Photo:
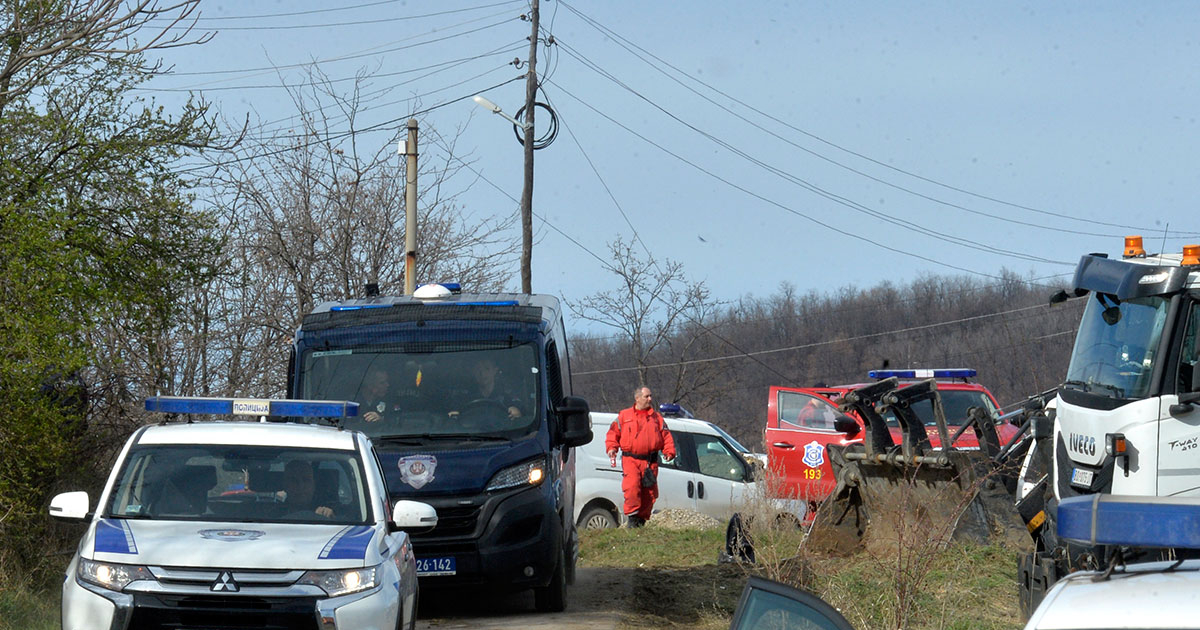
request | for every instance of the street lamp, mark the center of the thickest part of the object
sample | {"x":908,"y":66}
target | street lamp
{"x":495,"y":109}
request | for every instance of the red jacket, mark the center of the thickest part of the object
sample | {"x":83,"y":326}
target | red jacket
{"x":640,"y":433}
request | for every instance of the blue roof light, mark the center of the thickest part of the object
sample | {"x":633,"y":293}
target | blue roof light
{"x":674,"y":410}
{"x":253,"y":407}
{"x":938,"y":373}
{"x":1106,"y":519}
{"x":453,"y":287}
{"x":356,"y":307}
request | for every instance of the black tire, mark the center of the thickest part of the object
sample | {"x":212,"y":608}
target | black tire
{"x":553,"y":596}
{"x":597,"y":518}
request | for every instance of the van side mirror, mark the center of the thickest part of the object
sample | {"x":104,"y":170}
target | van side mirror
{"x":413,"y":517}
{"x":576,"y":424}
{"x":846,"y":424}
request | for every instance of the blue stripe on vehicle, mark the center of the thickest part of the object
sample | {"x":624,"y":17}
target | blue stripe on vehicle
{"x":349,"y":544}
{"x":114,"y":537}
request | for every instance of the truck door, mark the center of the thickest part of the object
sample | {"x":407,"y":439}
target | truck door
{"x":799,"y":427}
{"x":1179,"y":435}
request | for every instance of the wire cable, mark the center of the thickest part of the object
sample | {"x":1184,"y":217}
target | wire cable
{"x":612,"y":34}
{"x":817,"y":344}
{"x":402,"y":18}
{"x":811,"y":187}
{"x":345,"y":134}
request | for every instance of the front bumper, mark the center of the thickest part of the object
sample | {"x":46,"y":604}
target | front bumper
{"x":509,"y":540}
{"x":86,"y":606}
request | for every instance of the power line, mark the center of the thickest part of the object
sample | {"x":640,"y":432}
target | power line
{"x":437,"y":67}
{"x":617,"y":37}
{"x":345,"y":134}
{"x":543,"y":219}
{"x":402,"y":18}
{"x":358,"y":55}
{"x":771,"y":201}
{"x":816,"y":344}
{"x":811,"y":187}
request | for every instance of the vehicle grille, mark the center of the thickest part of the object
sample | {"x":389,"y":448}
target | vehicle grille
{"x":453,"y":521}
{"x":180,"y":612}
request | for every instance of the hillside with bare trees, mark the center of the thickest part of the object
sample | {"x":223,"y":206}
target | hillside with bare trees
{"x":720,"y":365}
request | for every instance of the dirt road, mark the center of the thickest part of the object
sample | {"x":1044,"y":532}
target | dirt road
{"x":594,"y":603}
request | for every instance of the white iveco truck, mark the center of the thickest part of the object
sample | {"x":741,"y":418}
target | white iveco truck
{"x":1128,"y":412}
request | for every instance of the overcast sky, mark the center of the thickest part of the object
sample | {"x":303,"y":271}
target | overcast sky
{"x":820,"y":144}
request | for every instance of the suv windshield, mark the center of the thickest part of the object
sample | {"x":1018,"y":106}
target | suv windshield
{"x":1114,"y":350}
{"x":240,"y":483}
{"x":431,"y":389}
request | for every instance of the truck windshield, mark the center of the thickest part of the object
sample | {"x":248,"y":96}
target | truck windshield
{"x":254,"y":484}
{"x":1114,"y":350}
{"x":431,"y":389}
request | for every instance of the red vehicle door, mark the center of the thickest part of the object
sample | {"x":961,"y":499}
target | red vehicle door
{"x":799,"y":427}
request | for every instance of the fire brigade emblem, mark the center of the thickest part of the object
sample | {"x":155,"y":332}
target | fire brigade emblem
{"x":417,"y":470}
{"x":814,"y":454}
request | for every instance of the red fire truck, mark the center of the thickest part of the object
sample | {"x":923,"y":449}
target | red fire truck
{"x":801,"y":421}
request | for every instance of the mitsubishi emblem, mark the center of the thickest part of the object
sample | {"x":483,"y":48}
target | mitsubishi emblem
{"x":225,"y":583}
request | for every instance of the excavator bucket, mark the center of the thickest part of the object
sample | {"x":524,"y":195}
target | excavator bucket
{"x":910,"y":493}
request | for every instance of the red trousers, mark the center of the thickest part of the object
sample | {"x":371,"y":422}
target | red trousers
{"x":639,"y":501}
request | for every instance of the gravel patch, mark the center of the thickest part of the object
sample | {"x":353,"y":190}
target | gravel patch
{"x":683,"y":519}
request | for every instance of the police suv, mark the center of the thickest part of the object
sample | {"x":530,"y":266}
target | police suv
{"x":243,"y":524}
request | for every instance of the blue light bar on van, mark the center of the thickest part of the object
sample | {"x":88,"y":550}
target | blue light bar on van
{"x":253,"y":407}
{"x":357,"y":307}
{"x":941,"y":373}
{"x":673,"y":410}
{"x":1108,"y":519}
{"x":453,"y":287}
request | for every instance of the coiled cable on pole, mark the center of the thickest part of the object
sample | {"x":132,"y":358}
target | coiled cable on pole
{"x":550,"y":134}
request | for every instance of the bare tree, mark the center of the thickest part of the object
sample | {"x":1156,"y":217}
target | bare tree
{"x":315,"y":214}
{"x":653,"y":299}
{"x":44,"y":39}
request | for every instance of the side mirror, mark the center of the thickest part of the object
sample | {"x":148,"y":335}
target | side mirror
{"x":1185,"y":403}
{"x":754,"y":466}
{"x":576,"y":424}
{"x":414,"y":517}
{"x":846,"y":424}
{"x":70,"y":506}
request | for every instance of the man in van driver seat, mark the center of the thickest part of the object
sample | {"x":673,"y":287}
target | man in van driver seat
{"x":640,"y":434}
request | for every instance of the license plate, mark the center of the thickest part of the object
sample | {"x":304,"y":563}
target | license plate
{"x":1081,"y":477}
{"x":437,"y":566}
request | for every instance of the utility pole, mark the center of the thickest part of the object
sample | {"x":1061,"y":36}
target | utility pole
{"x":531,"y":83}
{"x":410,"y":210}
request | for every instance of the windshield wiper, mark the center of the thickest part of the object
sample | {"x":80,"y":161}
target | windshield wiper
{"x":1083,"y":386}
{"x":131,"y":516}
{"x":1118,"y":392}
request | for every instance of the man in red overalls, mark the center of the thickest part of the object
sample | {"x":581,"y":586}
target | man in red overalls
{"x":640,"y":433}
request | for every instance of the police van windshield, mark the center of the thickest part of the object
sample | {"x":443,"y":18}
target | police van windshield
{"x":431,"y":389}
{"x":956,"y":403}
{"x":240,"y":483}
{"x":1114,"y":350}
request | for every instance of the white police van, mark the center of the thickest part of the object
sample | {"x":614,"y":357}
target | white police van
{"x":243,"y":524}
{"x":711,"y":473}
{"x":1127,"y":593}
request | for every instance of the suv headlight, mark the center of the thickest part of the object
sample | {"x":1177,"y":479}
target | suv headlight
{"x":531,"y":473}
{"x":109,"y":575}
{"x":341,"y":581}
